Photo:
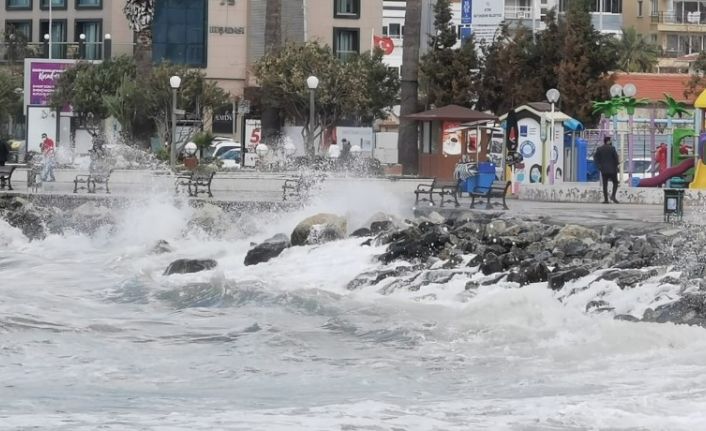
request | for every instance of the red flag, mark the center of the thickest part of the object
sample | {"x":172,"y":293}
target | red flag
{"x":384,"y":43}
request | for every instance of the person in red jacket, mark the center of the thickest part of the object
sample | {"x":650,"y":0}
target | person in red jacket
{"x":48,"y":149}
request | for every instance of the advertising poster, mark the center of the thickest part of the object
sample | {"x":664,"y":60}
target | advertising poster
{"x":42,"y":80}
{"x":451,"y":139}
{"x":252,"y":133}
{"x":466,"y":12}
{"x":487,"y":17}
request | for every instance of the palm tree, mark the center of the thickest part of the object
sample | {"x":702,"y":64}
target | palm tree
{"x":607,"y":110}
{"x":140,"y":14}
{"x":273,"y":42}
{"x":409,"y":98}
{"x":634,"y":52}
{"x":674,"y":108}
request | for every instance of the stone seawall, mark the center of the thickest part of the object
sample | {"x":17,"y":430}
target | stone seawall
{"x":592,"y":192}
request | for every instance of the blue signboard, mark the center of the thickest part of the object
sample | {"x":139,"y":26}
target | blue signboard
{"x":466,"y":33}
{"x":466,"y":12}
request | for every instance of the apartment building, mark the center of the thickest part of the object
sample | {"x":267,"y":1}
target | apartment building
{"x":28,"y":21}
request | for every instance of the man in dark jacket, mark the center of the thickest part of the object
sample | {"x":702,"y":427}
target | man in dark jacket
{"x":4,"y":157}
{"x":606,"y":159}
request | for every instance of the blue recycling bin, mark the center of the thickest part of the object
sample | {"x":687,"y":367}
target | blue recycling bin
{"x":469,"y":184}
{"x":486,"y":175}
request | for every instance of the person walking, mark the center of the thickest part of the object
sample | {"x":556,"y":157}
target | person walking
{"x":4,"y":157}
{"x":48,"y":148}
{"x":606,"y":160}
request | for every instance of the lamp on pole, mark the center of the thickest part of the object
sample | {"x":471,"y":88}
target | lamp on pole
{"x":82,"y":46}
{"x":629,"y":90}
{"x":313,"y":83}
{"x":175,"y":83}
{"x":107,"y":46}
{"x":553,"y":97}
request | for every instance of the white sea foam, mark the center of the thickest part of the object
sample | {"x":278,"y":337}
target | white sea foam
{"x":92,"y":335}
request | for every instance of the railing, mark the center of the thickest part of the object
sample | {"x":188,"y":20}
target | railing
{"x":686,"y":18}
{"x":518,"y":12}
{"x":16,"y":52}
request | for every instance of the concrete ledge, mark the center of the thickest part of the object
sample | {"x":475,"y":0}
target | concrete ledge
{"x":593,"y":192}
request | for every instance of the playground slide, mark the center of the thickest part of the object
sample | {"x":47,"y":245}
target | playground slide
{"x":699,"y":177}
{"x":667,"y":174}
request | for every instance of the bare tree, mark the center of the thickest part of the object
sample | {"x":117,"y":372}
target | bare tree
{"x":407,"y":148}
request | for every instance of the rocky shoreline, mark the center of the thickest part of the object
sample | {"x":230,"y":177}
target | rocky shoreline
{"x":480,"y":248}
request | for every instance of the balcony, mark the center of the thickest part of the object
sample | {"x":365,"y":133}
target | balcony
{"x":518,"y":12}
{"x":680,"y":22}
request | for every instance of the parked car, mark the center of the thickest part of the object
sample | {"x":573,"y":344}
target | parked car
{"x":231,"y":158}
{"x":220,"y":147}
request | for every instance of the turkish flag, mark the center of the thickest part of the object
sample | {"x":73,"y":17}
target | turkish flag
{"x":384,"y":43}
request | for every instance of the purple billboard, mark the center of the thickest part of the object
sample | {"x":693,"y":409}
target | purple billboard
{"x":42,"y":81}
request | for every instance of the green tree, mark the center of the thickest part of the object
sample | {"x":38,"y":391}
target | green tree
{"x":142,"y":106}
{"x":634,"y":52}
{"x":586,"y":61}
{"x":10,"y":98}
{"x":407,"y":147}
{"x":449,"y":76}
{"x":509,"y":76}
{"x":697,"y":81}
{"x":357,"y":89}
{"x":273,"y":42}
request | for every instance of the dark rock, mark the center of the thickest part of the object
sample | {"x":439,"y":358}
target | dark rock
{"x":377,"y":227}
{"x":162,"y":247}
{"x":571,"y":247}
{"x":372,"y":278}
{"x":186,"y":266}
{"x":627,"y":318}
{"x":28,"y":222}
{"x":690,"y":309}
{"x":493,"y":280}
{"x":475,"y":260}
{"x":268,"y":249}
{"x":529,"y":272}
{"x":508,"y":260}
{"x":596,"y":305}
{"x":362,"y":233}
{"x":413,"y":245}
{"x":367,"y":242}
{"x":453,"y":261}
{"x":318,"y":229}
{"x":628,"y":277}
{"x":559,"y":278}
{"x":491,"y":264}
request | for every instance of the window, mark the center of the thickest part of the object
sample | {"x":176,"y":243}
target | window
{"x":639,"y":8}
{"x":55,"y":4}
{"x":94,"y":40}
{"x":395,"y":31}
{"x":384,"y":30}
{"x":89,"y":4}
{"x":654,"y":9}
{"x":58,"y":36}
{"x":18,"y":4}
{"x":179,"y":32}
{"x":22,"y":30}
{"x":346,"y":42}
{"x":349,"y":9}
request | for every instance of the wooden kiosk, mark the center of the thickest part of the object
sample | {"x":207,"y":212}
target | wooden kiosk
{"x":446,"y":135}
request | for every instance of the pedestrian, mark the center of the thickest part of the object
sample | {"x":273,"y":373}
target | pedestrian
{"x":48,"y":151}
{"x":606,"y":160}
{"x":4,"y":157}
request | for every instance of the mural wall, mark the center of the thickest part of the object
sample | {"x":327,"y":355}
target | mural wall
{"x":530,"y":146}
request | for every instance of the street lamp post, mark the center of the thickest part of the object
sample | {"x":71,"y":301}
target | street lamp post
{"x":82,"y":46}
{"x":312,"y":82}
{"x":175,"y":83}
{"x":629,"y":90}
{"x":107,"y":46}
{"x":553,"y":97}
{"x":616,"y":92}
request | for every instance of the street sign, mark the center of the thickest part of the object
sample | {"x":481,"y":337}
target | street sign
{"x":244,"y":107}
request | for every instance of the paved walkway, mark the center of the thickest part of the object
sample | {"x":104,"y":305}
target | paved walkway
{"x":247,"y":188}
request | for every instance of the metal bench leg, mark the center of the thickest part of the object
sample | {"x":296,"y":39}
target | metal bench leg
{"x":489,"y":206}
{"x":473,"y":201}
{"x":504,"y":204}
{"x":210,"y":195}
{"x":107,"y":188}
{"x":455,"y":195}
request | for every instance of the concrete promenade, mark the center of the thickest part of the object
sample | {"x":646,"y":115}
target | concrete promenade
{"x":570,"y":203}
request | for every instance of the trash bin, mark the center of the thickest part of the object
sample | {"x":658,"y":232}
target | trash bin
{"x":673,"y":204}
{"x":469,"y":184}
{"x":486,"y":175}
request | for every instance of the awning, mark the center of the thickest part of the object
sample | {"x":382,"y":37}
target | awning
{"x":574,"y":125}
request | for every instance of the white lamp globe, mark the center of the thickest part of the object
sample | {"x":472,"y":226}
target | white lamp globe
{"x":312,"y":82}
{"x":334,"y":151}
{"x":553,"y":95}
{"x":175,"y":82}
{"x":616,"y":90}
{"x":630,"y":90}
{"x":190,"y":148}
{"x":262,"y":150}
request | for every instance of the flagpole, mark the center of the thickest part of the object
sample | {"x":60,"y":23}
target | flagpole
{"x":50,"y":25}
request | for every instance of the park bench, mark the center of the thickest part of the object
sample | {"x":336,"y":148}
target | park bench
{"x":98,"y":176}
{"x":6,"y":175}
{"x":441,"y":188}
{"x":498,"y":189}
{"x":194,"y":180}
{"x":300,"y":187}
